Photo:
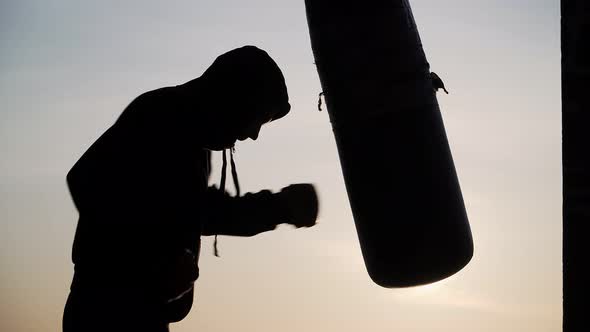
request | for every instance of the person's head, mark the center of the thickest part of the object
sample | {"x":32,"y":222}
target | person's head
{"x":246,"y":89}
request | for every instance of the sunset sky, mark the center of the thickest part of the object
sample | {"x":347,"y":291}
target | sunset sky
{"x":68,"y":68}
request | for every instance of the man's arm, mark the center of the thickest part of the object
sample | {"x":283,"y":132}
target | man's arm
{"x":255,"y":213}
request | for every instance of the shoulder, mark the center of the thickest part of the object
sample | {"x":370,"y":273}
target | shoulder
{"x":154,"y":97}
{"x":158,"y":94}
{"x":149,"y":108}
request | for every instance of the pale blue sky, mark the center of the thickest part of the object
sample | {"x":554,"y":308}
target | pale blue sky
{"x":68,"y":68}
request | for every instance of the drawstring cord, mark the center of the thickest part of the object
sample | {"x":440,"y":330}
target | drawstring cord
{"x":234,"y":174}
{"x":223,"y":171}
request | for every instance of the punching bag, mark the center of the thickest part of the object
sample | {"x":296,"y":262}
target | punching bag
{"x":395,"y":157}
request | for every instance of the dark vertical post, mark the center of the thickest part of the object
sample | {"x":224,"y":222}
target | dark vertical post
{"x":575,"y":62}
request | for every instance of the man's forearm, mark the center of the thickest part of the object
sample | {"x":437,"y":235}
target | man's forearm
{"x":247,"y":215}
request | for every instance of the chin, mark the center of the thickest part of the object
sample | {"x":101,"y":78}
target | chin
{"x":219,"y":146}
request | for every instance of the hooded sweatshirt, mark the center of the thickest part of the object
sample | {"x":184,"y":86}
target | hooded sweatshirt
{"x":143,"y":199}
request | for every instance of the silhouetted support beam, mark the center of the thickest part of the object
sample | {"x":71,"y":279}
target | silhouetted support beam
{"x":575,"y":69}
{"x":396,"y":161}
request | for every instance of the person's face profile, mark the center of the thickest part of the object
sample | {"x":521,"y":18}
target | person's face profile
{"x":234,"y":129}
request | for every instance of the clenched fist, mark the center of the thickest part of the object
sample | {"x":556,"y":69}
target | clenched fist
{"x":301,"y":204}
